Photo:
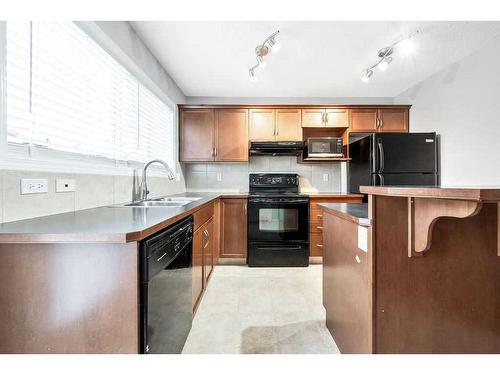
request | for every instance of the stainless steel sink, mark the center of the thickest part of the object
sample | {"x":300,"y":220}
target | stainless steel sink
{"x":162,"y":202}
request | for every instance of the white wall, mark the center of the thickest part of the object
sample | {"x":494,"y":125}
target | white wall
{"x":462,"y":103}
{"x":276,"y":100}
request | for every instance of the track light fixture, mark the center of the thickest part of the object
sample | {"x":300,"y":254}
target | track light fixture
{"x":261,"y":51}
{"x":385,"y":55}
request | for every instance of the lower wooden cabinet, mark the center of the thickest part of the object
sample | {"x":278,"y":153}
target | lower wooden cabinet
{"x":204,"y":246}
{"x":316,"y":220}
{"x":233,"y":241}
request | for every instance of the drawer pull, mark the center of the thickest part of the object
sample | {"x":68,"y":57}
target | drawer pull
{"x":319,"y":227}
{"x":319,"y":215}
{"x":319,"y":245}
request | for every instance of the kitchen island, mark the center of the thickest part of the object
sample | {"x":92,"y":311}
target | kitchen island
{"x":416,"y":270}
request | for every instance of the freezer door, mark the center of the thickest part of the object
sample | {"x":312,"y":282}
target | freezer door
{"x":404,"y":179}
{"x":405,"y":153}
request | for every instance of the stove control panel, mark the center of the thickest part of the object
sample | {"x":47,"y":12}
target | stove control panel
{"x":274,"y":179}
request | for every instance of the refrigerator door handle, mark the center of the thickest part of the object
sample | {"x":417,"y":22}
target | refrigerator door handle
{"x":381,"y":177}
{"x":381,"y":152}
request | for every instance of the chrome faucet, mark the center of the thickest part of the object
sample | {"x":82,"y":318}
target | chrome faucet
{"x":143,"y":193}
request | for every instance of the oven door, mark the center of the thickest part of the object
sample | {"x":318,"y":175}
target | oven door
{"x":278,"y":219}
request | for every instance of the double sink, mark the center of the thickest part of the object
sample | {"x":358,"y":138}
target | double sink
{"x":162,"y":202}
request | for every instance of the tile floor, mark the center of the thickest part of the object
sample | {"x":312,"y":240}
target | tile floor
{"x":261,"y":310}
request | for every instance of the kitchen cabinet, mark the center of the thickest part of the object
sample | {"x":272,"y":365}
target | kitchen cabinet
{"x":208,"y":250}
{"x":197,"y":134}
{"x":393,"y":120}
{"x":325,"y":118}
{"x":288,"y":124}
{"x":379,"y":120}
{"x":231,"y":135}
{"x":233,"y":241}
{"x":203,"y":248}
{"x":316,"y":219}
{"x":262,"y":124}
{"x":214,"y":135}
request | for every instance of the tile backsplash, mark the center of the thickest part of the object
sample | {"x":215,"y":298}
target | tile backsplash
{"x":234,"y":176}
{"x":92,"y":190}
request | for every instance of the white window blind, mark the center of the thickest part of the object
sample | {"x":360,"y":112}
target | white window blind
{"x":66,"y":93}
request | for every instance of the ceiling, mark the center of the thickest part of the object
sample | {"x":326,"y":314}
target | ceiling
{"x":316,"y":59}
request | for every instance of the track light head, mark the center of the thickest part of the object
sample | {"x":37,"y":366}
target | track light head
{"x":366,"y":75}
{"x":407,"y":46}
{"x":274,"y":44}
{"x":384,"y":64}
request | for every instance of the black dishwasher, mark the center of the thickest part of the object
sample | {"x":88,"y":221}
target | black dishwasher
{"x":166,"y":289}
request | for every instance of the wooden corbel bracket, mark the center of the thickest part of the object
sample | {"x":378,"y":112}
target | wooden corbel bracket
{"x":423,"y":214}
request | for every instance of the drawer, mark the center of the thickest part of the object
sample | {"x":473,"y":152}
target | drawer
{"x":316,"y":244}
{"x":316,"y":226}
{"x":203,"y":215}
{"x":316,"y":214}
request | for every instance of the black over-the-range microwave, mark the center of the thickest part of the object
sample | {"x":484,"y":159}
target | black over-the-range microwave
{"x":324,"y":147}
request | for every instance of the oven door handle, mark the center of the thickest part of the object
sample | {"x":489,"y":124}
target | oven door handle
{"x":298,"y":201}
{"x":279,"y":248}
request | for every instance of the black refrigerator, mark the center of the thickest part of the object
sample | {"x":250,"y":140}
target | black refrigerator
{"x":393,"y":159}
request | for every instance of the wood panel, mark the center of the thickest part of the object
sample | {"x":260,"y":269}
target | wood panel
{"x":69,"y":298}
{"x":347,"y":286}
{"x":337,"y":118}
{"x":393,"y":120}
{"x":197,"y":135}
{"x":288,"y":125}
{"x":197,"y":262}
{"x":445,"y":301}
{"x":208,"y":248}
{"x":313,"y":117}
{"x":233,"y":228}
{"x":231,"y":135}
{"x":262,"y":124}
{"x":363,"y":119}
{"x":202,"y":215}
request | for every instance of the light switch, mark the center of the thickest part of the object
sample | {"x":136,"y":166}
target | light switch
{"x":64,"y":185}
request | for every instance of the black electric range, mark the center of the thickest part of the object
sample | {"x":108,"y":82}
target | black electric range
{"x":278,"y":221}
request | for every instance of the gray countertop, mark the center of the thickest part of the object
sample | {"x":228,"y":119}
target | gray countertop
{"x":101,"y":224}
{"x":357,"y":212}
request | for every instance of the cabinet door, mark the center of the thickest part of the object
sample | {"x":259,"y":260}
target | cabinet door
{"x":337,"y":118}
{"x":231,"y":132}
{"x":208,"y":248}
{"x":262,"y":124}
{"x":288,"y":125}
{"x":234,"y":228}
{"x":313,"y":118}
{"x":197,"y":135}
{"x":364,"y":119}
{"x":197,"y":261}
{"x":393,"y":120}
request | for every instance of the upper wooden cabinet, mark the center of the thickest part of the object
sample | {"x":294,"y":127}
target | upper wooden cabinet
{"x":379,"y":120}
{"x":262,"y":124}
{"x":325,"y":118}
{"x":231,"y":135}
{"x":281,"y":124}
{"x":197,"y":135}
{"x":288,"y":124}
{"x":213,"y":134}
{"x":393,"y":120}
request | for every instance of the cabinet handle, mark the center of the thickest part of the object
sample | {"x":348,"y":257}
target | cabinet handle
{"x":319,"y":228}
{"x":215,"y":151}
{"x":319,"y":215}
{"x":326,"y":118}
{"x":319,"y":245}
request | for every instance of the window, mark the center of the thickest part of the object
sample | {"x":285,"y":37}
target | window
{"x":66,"y":93}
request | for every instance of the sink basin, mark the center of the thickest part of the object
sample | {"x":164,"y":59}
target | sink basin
{"x":163,"y":202}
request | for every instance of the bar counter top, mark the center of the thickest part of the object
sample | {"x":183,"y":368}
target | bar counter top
{"x":466,"y":193}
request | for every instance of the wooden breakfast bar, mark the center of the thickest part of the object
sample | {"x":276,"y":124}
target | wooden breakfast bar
{"x":416,"y":270}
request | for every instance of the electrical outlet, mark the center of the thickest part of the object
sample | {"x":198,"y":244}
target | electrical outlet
{"x":219,"y":176}
{"x":326,"y":177}
{"x":34,"y":185}
{"x":64,"y":185}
